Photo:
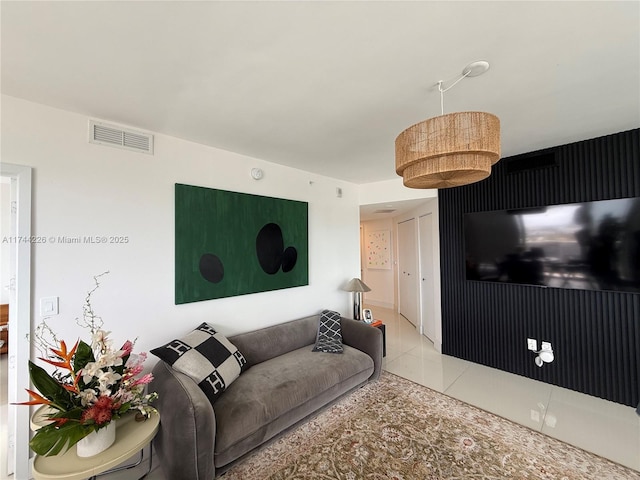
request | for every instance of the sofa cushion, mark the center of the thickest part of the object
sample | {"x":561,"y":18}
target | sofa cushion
{"x":329,"y":337}
{"x":266,"y":343}
{"x":206,"y":356}
{"x":275,"y":394}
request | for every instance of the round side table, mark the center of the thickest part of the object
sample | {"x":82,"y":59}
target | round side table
{"x":131,"y":438}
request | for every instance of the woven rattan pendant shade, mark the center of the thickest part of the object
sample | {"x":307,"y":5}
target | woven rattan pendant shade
{"x":449,"y":150}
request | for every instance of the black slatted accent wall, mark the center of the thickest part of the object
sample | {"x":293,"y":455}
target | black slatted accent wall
{"x":595,"y":334}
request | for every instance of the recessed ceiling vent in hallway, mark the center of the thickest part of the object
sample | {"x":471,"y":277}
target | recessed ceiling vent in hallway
{"x":115,"y":136}
{"x":385,"y":211}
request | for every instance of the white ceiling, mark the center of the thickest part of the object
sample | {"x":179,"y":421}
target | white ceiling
{"x":379,"y":211}
{"x":327,"y":86}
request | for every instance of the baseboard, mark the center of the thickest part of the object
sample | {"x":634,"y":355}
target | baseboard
{"x":379,"y":304}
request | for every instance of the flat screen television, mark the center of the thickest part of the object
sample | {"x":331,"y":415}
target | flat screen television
{"x":587,"y":246}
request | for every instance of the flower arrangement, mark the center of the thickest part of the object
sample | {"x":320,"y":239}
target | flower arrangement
{"x":92,"y":385}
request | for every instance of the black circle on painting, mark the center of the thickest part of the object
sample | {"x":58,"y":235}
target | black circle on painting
{"x":289,"y":258}
{"x":211,"y":268}
{"x":269,"y":248}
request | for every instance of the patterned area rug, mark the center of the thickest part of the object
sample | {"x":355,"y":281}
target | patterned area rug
{"x":396,"y":429}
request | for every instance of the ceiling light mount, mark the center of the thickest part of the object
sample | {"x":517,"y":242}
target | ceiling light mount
{"x":449,"y":150}
{"x":475,"y":69}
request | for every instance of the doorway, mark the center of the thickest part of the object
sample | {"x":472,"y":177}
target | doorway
{"x":16,"y":461}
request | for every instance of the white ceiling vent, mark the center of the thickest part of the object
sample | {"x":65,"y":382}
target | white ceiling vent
{"x":115,"y":136}
{"x":385,"y":211}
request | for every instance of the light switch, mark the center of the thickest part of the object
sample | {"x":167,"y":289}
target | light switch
{"x":49,"y":306}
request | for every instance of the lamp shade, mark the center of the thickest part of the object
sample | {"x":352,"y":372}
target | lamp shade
{"x":356,"y":285}
{"x":449,"y":150}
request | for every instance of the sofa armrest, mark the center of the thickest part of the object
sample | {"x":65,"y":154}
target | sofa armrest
{"x":186,"y":439}
{"x":365,"y":338}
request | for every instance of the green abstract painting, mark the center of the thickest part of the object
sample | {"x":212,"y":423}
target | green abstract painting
{"x":230,"y":243}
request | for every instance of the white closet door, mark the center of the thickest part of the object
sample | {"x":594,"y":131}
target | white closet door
{"x":408,"y":270}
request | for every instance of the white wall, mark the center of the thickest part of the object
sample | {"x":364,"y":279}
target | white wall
{"x":82,"y":189}
{"x":381,"y":282}
{"x":392,"y":191}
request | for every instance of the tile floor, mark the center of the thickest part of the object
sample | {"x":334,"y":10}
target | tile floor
{"x":605,"y":428}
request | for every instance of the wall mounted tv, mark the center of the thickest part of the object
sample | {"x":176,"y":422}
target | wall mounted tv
{"x":587,"y":246}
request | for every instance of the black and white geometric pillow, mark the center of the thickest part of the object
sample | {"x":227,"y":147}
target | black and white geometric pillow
{"x":329,"y":337}
{"x":206,"y":356}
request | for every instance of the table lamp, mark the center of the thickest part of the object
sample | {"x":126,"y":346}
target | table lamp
{"x":357,"y":286}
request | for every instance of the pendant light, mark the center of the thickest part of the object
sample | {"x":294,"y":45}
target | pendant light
{"x":450,"y":150}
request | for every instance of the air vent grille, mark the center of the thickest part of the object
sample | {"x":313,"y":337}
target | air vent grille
{"x":112,"y":135}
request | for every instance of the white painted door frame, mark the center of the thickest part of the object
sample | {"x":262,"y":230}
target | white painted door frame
{"x":19,"y":322}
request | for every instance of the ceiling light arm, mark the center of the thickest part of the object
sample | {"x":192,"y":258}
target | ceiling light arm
{"x":465,"y":74}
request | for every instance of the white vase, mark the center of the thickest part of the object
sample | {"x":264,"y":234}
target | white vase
{"x":97,"y":442}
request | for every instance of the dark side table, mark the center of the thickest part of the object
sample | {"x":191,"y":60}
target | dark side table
{"x":383,"y":328}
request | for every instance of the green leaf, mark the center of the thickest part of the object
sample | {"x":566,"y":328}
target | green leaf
{"x":124,"y":408}
{"x":73,"y":414}
{"x":120,"y":368}
{"x":49,"y":387}
{"x":83,"y":355}
{"x":51,"y":440}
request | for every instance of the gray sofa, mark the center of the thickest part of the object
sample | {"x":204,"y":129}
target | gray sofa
{"x":285,"y":383}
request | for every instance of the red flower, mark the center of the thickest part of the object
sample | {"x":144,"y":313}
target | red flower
{"x":104,"y":402}
{"x":60,"y":421}
{"x":88,"y":414}
{"x":100,"y":412}
{"x":103,"y":416}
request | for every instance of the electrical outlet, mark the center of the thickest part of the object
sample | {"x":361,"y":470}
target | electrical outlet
{"x":535,"y":415}
{"x":532,"y":344}
{"x":546,"y":346}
